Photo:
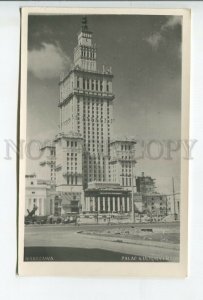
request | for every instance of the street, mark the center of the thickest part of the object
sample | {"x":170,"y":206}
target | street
{"x":129,"y":242}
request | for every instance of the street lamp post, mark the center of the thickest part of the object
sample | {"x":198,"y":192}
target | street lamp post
{"x":132,"y":198}
{"x":174,"y":199}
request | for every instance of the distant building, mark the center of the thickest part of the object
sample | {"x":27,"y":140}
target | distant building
{"x":36,"y":195}
{"x":145,"y":184}
{"x":43,"y":196}
{"x":62,"y":203}
{"x":156,"y":205}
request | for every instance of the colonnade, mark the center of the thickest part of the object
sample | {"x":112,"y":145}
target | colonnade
{"x":107,"y":204}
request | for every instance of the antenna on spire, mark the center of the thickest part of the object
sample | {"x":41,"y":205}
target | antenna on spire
{"x":84,"y":24}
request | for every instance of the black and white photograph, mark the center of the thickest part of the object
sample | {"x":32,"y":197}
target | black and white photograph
{"x":104,"y":118}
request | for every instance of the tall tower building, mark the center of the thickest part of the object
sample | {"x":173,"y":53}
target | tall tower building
{"x":85,"y":105}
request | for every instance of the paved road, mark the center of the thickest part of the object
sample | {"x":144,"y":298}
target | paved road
{"x":68,"y":236}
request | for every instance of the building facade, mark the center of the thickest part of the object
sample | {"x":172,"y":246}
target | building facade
{"x":48,"y":162}
{"x":36,"y":195}
{"x":156,"y":205}
{"x":69,"y":162}
{"x":86,"y":108}
{"x":93,"y":172}
{"x":107,"y":198}
{"x":122,"y":162}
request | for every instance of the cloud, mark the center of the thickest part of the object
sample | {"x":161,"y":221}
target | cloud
{"x":155,"y":39}
{"x":48,"y":62}
{"x":172,"y":22}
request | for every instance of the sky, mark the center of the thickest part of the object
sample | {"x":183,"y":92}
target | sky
{"x":145,"y":55}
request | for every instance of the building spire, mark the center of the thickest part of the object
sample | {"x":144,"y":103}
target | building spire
{"x":84,"y":24}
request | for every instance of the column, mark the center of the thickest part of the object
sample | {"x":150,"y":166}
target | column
{"x":118,"y":204}
{"x":123,"y":204}
{"x":93,"y":202}
{"x":98,"y":199}
{"x":114,"y":204}
{"x":86,"y":203}
{"x":109,"y":205}
{"x":128,"y":204}
{"x":104,"y":208}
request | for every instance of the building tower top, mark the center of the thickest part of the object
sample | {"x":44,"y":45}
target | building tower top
{"x":85,"y":51}
{"x":84,"y":24}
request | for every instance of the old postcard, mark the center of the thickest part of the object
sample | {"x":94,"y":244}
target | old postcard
{"x":104,"y":142}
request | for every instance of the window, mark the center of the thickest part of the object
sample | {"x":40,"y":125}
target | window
{"x":75,"y":144}
{"x":67,"y":144}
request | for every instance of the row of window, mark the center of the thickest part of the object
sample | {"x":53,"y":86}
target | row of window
{"x":72,"y":144}
{"x":71,"y":159}
{"x":72,"y":180}
{"x":125,"y":164}
{"x":126,"y":157}
{"x":125,"y":147}
{"x":72,"y":169}
{"x":88,"y":54}
{"x":92,"y":84}
{"x":126,"y":181}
